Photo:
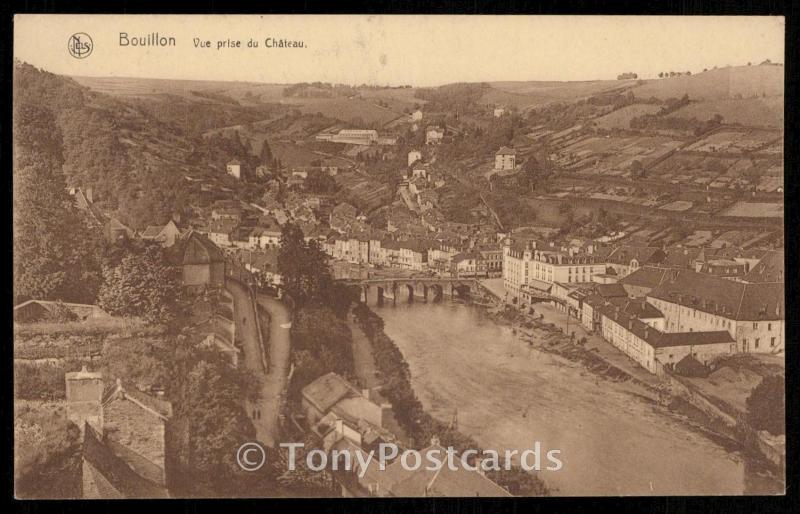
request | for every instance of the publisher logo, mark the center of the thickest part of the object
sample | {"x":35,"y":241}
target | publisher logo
{"x":80,"y":45}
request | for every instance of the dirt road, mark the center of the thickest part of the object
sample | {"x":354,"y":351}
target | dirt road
{"x":276,"y":333}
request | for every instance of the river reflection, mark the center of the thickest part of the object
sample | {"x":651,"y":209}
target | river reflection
{"x":507,"y":395}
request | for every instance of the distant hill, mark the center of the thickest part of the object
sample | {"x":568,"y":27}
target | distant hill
{"x":722,"y":83}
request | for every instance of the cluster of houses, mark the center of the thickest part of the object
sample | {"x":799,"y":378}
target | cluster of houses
{"x":662,"y":308}
{"x":357,"y":243}
{"x":347,"y":421}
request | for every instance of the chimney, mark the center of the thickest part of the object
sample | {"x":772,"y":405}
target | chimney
{"x":84,"y":391}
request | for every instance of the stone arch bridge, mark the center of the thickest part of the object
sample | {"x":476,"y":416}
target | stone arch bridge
{"x":415,"y":289}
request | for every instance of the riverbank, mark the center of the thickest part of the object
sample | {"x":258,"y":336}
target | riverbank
{"x":547,"y":330}
{"x":468,"y":370}
{"x":419,"y":424}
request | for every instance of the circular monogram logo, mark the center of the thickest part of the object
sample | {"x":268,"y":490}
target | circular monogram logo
{"x":80,"y":45}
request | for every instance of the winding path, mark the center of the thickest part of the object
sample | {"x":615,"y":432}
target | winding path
{"x":265,"y":411}
{"x":276,"y":330}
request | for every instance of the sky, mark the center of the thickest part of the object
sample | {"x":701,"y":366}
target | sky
{"x":398,"y":50}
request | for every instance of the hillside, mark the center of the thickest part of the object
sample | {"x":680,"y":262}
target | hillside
{"x":721,"y":83}
{"x":538,"y":93}
{"x":132,"y":152}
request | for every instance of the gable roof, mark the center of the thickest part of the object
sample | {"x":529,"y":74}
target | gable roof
{"x":504,"y":150}
{"x":327,"y":390}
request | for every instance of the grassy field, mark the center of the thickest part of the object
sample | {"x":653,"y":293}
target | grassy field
{"x":621,"y":118}
{"x":347,"y":109}
{"x":717,"y":84}
{"x":757,"y":112}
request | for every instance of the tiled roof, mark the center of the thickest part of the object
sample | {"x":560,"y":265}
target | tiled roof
{"x":506,"y":151}
{"x":647,"y":276}
{"x":222,"y":226}
{"x":327,"y":390}
{"x":658,"y":339}
{"x":116,"y":478}
{"x":728,"y":298}
{"x":643,"y":254}
{"x":610,"y":290}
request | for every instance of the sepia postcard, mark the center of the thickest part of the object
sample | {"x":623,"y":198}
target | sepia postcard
{"x":352,"y":256}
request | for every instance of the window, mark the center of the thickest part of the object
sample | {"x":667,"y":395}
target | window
{"x":756,"y":345}
{"x":755,"y":326}
{"x":772,"y":341}
{"x":769,"y":326}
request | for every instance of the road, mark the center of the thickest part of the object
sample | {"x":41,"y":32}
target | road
{"x":276,"y":333}
{"x":247,"y":332}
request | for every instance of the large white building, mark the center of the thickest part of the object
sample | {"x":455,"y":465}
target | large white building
{"x":752,"y":313}
{"x":356,"y":136}
{"x":526,"y":265}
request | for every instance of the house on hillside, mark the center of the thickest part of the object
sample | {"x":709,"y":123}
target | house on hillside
{"x":202,"y":264}
{"x":167,"y":234}
{"x":505,"y":159}
{"x":416,"y":115}
{"x":433,"y":135}
{"x":234,"y":169}
{"x":414,"y":156}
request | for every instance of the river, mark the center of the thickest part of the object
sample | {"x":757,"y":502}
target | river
{"x":507,"y":395}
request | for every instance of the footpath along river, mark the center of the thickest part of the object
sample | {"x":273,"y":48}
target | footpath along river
{"x":508,"y":395}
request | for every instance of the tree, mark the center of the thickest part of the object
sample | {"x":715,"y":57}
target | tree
{"x":303,"y":266}
{"x":319,"y":181}
{"x":266,"y":154}
{"x":142,"y":284}
{"x":766,"y":409}
{"x":637,"y":169}
{"x":56,"y":256}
